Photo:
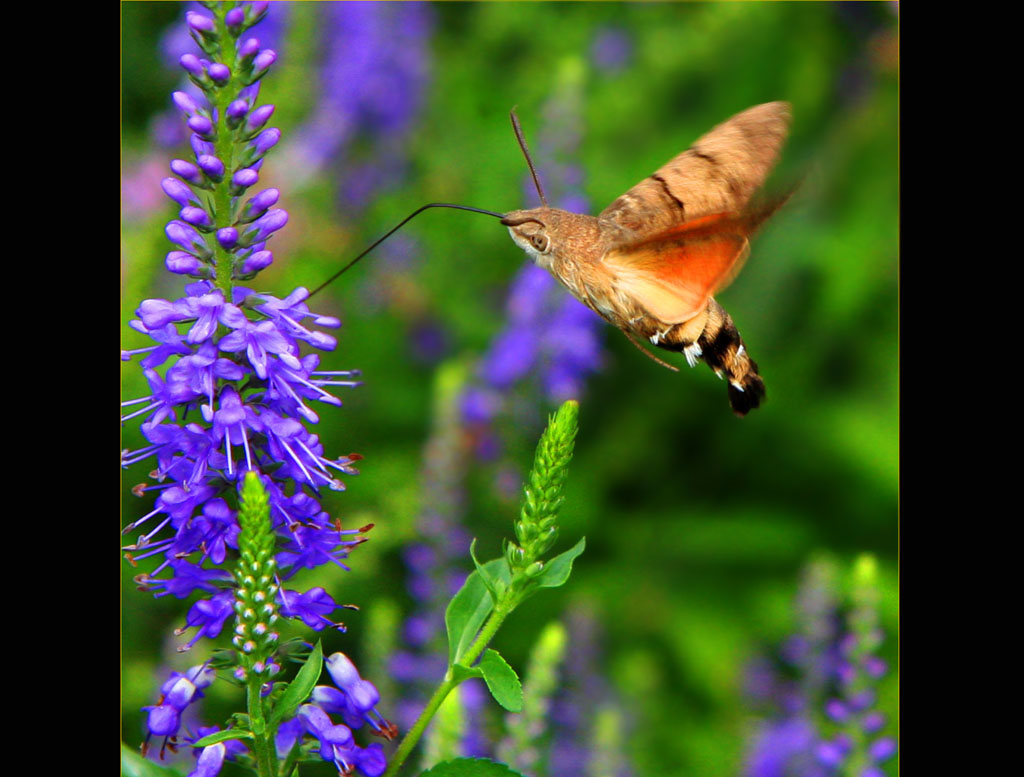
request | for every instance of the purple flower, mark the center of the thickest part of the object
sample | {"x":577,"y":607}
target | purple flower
{"x":229,"y":385}
{"x":823,"y":722}
{"x":372,"y":83}
{"x":611,"y":50}
{"x":179,"y":691}
{"x":237,"y":474}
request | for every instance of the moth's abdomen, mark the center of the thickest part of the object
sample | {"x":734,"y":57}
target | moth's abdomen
{"x":720,"y":346}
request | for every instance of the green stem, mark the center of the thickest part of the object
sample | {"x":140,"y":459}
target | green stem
{"x":413,"y":737}
{"x":490,"y":628}
{"x":224,"y":151}
{"x":263,"y":748}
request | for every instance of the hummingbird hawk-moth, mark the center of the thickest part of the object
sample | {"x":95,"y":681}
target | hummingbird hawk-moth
{"x":651,"y":261}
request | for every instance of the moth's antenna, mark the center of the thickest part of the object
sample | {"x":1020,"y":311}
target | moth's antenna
{"x":391,"y":231}
{"x":526,"y":153}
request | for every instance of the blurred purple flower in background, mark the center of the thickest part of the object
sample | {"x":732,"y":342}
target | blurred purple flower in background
{"x":372,"y":82}
{"x":819,"y":704}
{"x":436,"y":567}
{"x":612,"y":49}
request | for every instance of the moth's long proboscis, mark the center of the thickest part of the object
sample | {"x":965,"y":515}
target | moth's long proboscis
{"x":394,"y":229}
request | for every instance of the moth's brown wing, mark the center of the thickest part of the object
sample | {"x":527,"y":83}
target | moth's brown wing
{"x":672,"y":274}
{"x":717,"y":174}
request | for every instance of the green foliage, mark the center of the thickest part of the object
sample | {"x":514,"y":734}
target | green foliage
{"x":467,"y":612}
{"x":134,"y":765}
{"x":470,"y":767}
{"x":299,"y":689}
{"x":502,"y":681}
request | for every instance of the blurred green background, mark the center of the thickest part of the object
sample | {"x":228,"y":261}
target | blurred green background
{"x":697,"y":523}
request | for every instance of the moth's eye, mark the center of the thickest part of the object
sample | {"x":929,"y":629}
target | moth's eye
{"x":540,"y":241}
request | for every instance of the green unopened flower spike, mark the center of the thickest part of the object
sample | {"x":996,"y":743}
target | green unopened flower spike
{"x":256,"y":574}
{"x":535,"y":530}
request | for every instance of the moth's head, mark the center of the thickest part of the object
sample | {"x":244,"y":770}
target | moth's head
{"x":532,"y":230}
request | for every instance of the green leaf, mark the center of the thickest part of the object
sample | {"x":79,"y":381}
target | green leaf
{"x":134,"y":765}
{"x":299,"y":689}
{"x":470,"y":767}
{"x":480,"y":568}
{"x":223,"y":736}
{"x":462,"y":673}
{"x":557,"y":571}
{"x":466,"y":613}
{"x":502,"y":681}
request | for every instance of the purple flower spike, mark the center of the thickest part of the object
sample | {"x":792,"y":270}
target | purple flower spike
{"x":230,"y":380}
{"x":220,"y":73}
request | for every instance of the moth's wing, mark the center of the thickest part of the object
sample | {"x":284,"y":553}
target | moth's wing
{"x":717,"y":174}
{"x":672,"y":274}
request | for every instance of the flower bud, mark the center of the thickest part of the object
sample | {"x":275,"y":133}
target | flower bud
{"x":186,"y":171}
{"x":199,"y":22}
{"x":258,"y":205}
{"x":249,"y":49}
{"x":202,"y":126}
{"x":243,"y":179}
{"x":259,"y":117}
{"x":178,"y":191}
{"x":219,"y":72}
{"x":227,"y":237}
{"x":266,"y":140}
{"x":197,"y":217}
{"x":212,"y":166}
{"x":192,"y":65}
{"x":256,"y":261}
{"x":182,"y":263}
{"x":184,"y":103}
{"x":234,"y":18}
